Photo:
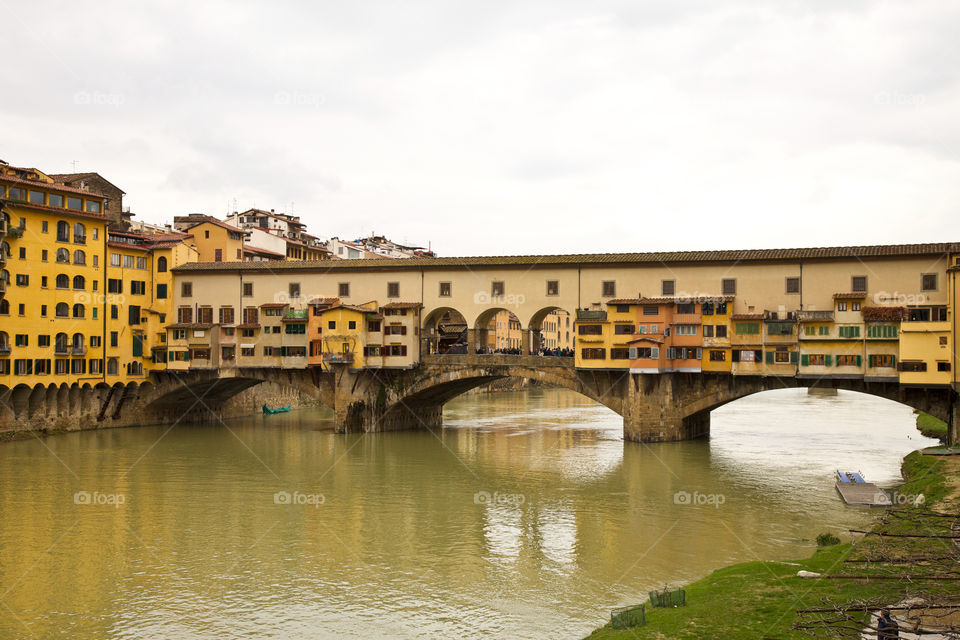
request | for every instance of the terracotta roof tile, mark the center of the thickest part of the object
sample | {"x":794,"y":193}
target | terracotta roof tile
{"x":402,"y":305}
{"x":880,"y":314}
{"x":724,"y":257}
{"x":747,"y":316}
{"x":850,"y":296}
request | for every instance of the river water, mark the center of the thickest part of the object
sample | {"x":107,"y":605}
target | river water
{"x":526,"y":517}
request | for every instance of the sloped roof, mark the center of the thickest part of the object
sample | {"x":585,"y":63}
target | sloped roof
{"x":661,"y":257}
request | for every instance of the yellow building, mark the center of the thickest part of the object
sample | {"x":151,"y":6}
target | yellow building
{"x":557,"y":331}
{"x":51,"y":281}
{"x":715,"y":329}
{"x":216,"y":241}
{"x":926,"y":352}
{"x":364,"y":336}
{"x":139,"y":299}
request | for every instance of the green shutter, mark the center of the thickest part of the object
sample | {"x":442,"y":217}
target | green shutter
{"x":859,"y":360}
{"x":793,"y":357}
{"x":805,"y":360}
{"x":828,"y":360}
{"x":769,"y":357}
{"x":137,"y":346}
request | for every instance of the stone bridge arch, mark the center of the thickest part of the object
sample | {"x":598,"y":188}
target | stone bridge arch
{"x":386,"y":401}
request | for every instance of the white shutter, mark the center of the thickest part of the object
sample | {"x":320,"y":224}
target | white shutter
{"x":632,"y":353}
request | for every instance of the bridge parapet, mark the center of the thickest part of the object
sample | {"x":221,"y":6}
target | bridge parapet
{"x":497,"y":359}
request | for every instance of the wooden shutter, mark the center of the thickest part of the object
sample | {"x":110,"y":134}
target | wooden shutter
{"x":632,"y":353}
{"x":828,"y":360}
{"x":805,"y":360}
{"x":793,"y":357}
{"x":859,"y":361}
{"x":769,"y":357}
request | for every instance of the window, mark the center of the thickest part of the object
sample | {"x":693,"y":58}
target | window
{"x":619,"y":353}
{"x":446,"y":289}
{"x":63,"y":256}
{"x":793,"y":285}
{"x":79,"y":282}
{"x":115,"y":259}
{"x":593,"y":354}
{"x":63,"y":231}
{"x":217,"y":253}
{"x":186,"y":289}
{"x":841,"y":306}
{"x":880,"y":361}
{"x":781,"y":356}
{"x":497,"y":289}
{"x":373,"y":326}
{"x":54,"y":200}
{"x":185,"y":315}
{"x":352,"y":324}
{"x":608,"y":288}
{"x":205,"y":315}
{"x":95,"y":342}
{"x":849,"y":332}
{"x":293,"y":289}
{"x":668,"y":287}
{"x":79,"y":257}
{"x":553,"y":287}
{"x":141,"y":262}
{"x":22,"y":253}
{"x":113,"y":367}
{"x":114,"y":285}
{"x":63,"y":310}
{"x":79,"y":234}
{"x":721,"y":330}
{"x":343,"y":289}
{"x":708,"y":331}
{"x":226,"y":315}
{"x":93,"y":206}
{"x":114,"y":312}
{"x":623,"y":329}
{"x":161,"y":291}
{"x":292,"y":328}
{"x":915,"y":367}
{"x":848,"y":361}
{"x":728,"y":286}
{"x":686,"y":329}
{"x":590,"y":329}
{"x":161,"y":264}
{"x":393,"y":289}
{"x":928,"y":282}
{"x":206,"y":233}
{"x":855,"y":306}
{"x":747,"y":328}
{"x":943,"y":366}
{"x":779,"y":329}
{"x":96,"y":366}
{"x":78,"y":311}
{"x":687,"y":307}
{"x":4,"y":307}
{"x":36,"y":197}
{"x":138,"y":287}
{"x":43,"y":255}
{"x":651,"y":310}
{"x":331,"y":324}
{"x":114,"y":338}
{"x":247,"y":289}
{"x":858,"y":284}
{"x":22,"y":340}
{"x":23,"y":280}
{"x":42,"y":341}
{"x":718,"y":356}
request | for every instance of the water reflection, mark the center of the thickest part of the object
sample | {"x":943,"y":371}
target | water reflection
{"x":526,"y":517}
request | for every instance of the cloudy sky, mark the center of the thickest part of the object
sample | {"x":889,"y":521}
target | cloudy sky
{"x":506,"y":127}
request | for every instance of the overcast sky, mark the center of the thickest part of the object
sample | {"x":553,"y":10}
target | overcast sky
{"x":506,"y":127}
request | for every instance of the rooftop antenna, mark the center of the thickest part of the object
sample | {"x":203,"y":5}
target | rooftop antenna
{"x":75,"y":163}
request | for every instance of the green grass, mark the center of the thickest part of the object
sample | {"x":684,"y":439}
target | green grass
{"x":759,"y":599}
{"x":932,"y":427}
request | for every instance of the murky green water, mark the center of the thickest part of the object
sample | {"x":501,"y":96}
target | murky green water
{"x":527,"y":517}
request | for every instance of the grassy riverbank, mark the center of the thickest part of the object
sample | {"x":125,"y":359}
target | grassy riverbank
{"x":760,"y":599}
{"x":932,"y":427}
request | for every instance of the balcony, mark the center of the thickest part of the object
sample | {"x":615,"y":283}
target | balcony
{"x":61,"y":350}
{"x":4,"y":349}
{"x":295,"y":314}
{"x":586,"y":315}
{"x":78,"y":350}
{"x":338,"y":358}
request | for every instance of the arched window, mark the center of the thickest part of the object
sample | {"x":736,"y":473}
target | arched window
{"x":79,"y":257}
{"x":4,"y":341}
{"x":6,"y":249}
{"x":79,"y":233}
{"x":63,"y":310}
{"x":113,"y":367}
{"x":161,"y":264}
{"x":60,"y":343}
{"x":63,"y":231}
{"x":4,"y":307}
{"x":5,"y":276}
{"x":77,"y":342}
{"x":63,"y":256}
{"x":79,"y":282}
{"x":78,"y":310}
{"x":63,"y":281}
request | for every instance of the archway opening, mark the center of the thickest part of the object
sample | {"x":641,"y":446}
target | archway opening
{"x":552,"y":332}
{"x":498,"y":331}
{"x":444,"y":331}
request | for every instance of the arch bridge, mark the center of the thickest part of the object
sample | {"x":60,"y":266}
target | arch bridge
{"x":654,"y":407}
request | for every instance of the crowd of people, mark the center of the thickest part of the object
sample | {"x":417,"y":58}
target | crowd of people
{"x":512,"y":351}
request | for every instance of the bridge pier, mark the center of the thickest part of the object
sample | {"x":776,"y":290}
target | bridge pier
{"x":653,"y":411}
